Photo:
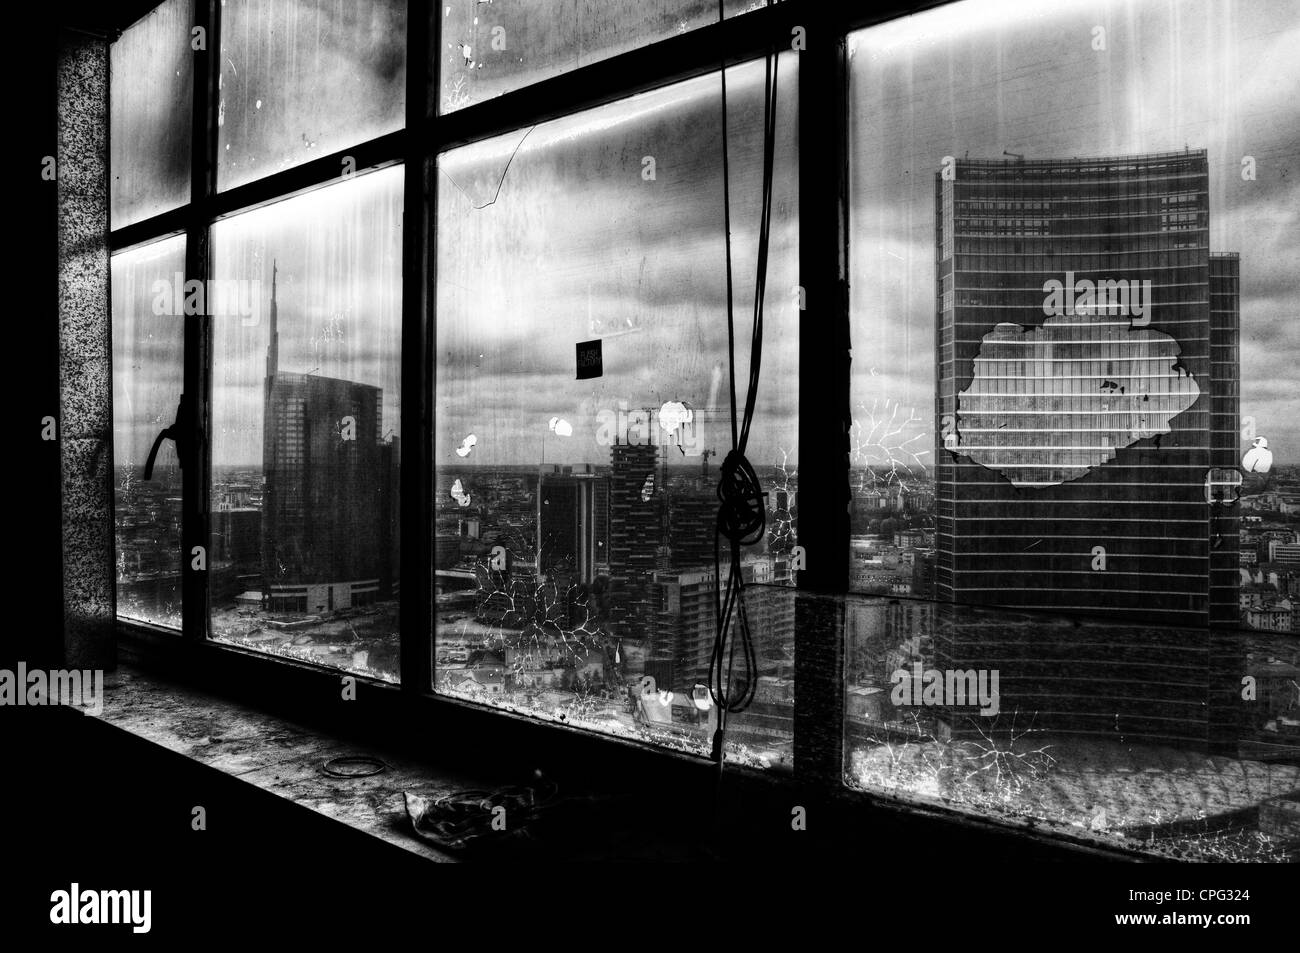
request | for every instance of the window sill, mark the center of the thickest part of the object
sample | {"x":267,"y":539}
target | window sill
{"x":243,"y":714}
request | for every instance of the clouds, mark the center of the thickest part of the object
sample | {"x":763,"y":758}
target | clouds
{"x":576,"y":237}
{"x":337,"y":253}
{"x":581,"y":238}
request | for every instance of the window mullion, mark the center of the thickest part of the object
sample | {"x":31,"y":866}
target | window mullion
{"x":823,"y":523}
{"x":694,"y":53}
{"x":197,"y":389}
{"x":415,"y":610}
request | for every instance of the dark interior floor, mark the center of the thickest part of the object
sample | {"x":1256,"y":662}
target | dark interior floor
{"x":98,"y":805}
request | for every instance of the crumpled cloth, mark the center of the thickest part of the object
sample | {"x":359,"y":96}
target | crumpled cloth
{"x":464,"y":820}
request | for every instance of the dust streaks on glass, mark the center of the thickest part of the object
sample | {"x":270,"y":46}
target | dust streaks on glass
{"x":306,"y":427}
{"x":151,"y":83}
{"x":575,"y":517}
{"x":148,"y":344}
{"x":301,"y":79}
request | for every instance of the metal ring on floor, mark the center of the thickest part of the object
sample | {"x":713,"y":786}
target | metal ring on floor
{"x":375,"y":766}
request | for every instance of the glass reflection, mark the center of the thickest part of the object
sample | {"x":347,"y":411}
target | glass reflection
{"x":575,"y":514}
{"x":306,"y":439}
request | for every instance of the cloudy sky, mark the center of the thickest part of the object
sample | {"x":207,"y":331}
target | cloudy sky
{"x":490,"y":50}
{"x":338,"y":255}
{"x":571,"y":239}
{"x":985,"y":76}
{"x":556,"y":234}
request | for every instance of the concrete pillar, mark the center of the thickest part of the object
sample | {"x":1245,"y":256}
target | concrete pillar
{"x":85,"y":353}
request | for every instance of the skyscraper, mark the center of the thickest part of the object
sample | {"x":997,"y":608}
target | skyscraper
{"x":600,"y":524}
{"x":328,"y":522}
{"x":1086,"y":381}
{"x":634,"y":533}
{"x":566,"y":525}
{"x":692,"y":525}
{"x":1225,"y":415}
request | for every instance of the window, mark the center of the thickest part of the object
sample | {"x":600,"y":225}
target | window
{"x":443,"y":331}
{"x":302,"y":79}
{"x":151,"y":101}
{"x":306,"y":435}
{"x":1115,"y":508}
{"x":148,"y":346}
{"x":487,"y":52}
{"x":574,"y":519}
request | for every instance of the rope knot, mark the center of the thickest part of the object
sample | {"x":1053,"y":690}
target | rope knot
{"x":742,"y":516}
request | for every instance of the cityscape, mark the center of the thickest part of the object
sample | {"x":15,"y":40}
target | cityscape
{"x":1083,"y":474}
{"x":1089,"y":479}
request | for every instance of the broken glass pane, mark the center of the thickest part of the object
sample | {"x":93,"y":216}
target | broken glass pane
{"x":1075,"y":395}
{"x":576,"y":499}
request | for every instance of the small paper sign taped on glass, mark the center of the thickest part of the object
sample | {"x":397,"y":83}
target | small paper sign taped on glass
{"x":590,"y":361}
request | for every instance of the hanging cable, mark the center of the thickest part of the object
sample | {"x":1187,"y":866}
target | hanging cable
{"x":742,"y":516}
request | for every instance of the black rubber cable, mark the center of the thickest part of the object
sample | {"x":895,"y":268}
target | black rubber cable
{"x":742,"y":517}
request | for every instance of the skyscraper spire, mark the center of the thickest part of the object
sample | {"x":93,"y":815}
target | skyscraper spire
{"x":273,"y":341}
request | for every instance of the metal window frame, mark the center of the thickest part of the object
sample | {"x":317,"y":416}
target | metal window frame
{"x":824,"y":338}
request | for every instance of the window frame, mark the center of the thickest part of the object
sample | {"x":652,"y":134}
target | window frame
{"x":413,"y":709}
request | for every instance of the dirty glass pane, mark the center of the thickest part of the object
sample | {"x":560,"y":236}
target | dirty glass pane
{"x":1075,"y":393}
{"x":151,"y":101}
{"x":1011,"y":447}
{"x":492,"y":48}
{"x":306,"y":426}
{"x":1137,"y":734}
{"x":304,"y":78}
{"x":575,"y":506}
{"x":147,"y":350}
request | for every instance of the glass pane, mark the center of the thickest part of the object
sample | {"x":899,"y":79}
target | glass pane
{"x":152,"y":89}
{"x":1045,"y":449}
{"x":306,"y":425}
{"x":1134,"y":732}
{"x":148,"y":345}
{"x":303,"y":78}
{"x":574,"y":513}
{"x":488,"y":50}
{"x":1075,"y":366}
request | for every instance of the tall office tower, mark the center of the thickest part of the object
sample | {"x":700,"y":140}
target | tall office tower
{"x":1225,"y":414}
{"x":693,"y":522}
{"x":566,"y":531}
{"x":1085,"y":382}
{"x":634,"y":533}
{"x":1227,"y":658}
{"x":600,"y":523}
{"x":328,"y":512}
{"x":1077,"y":387}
